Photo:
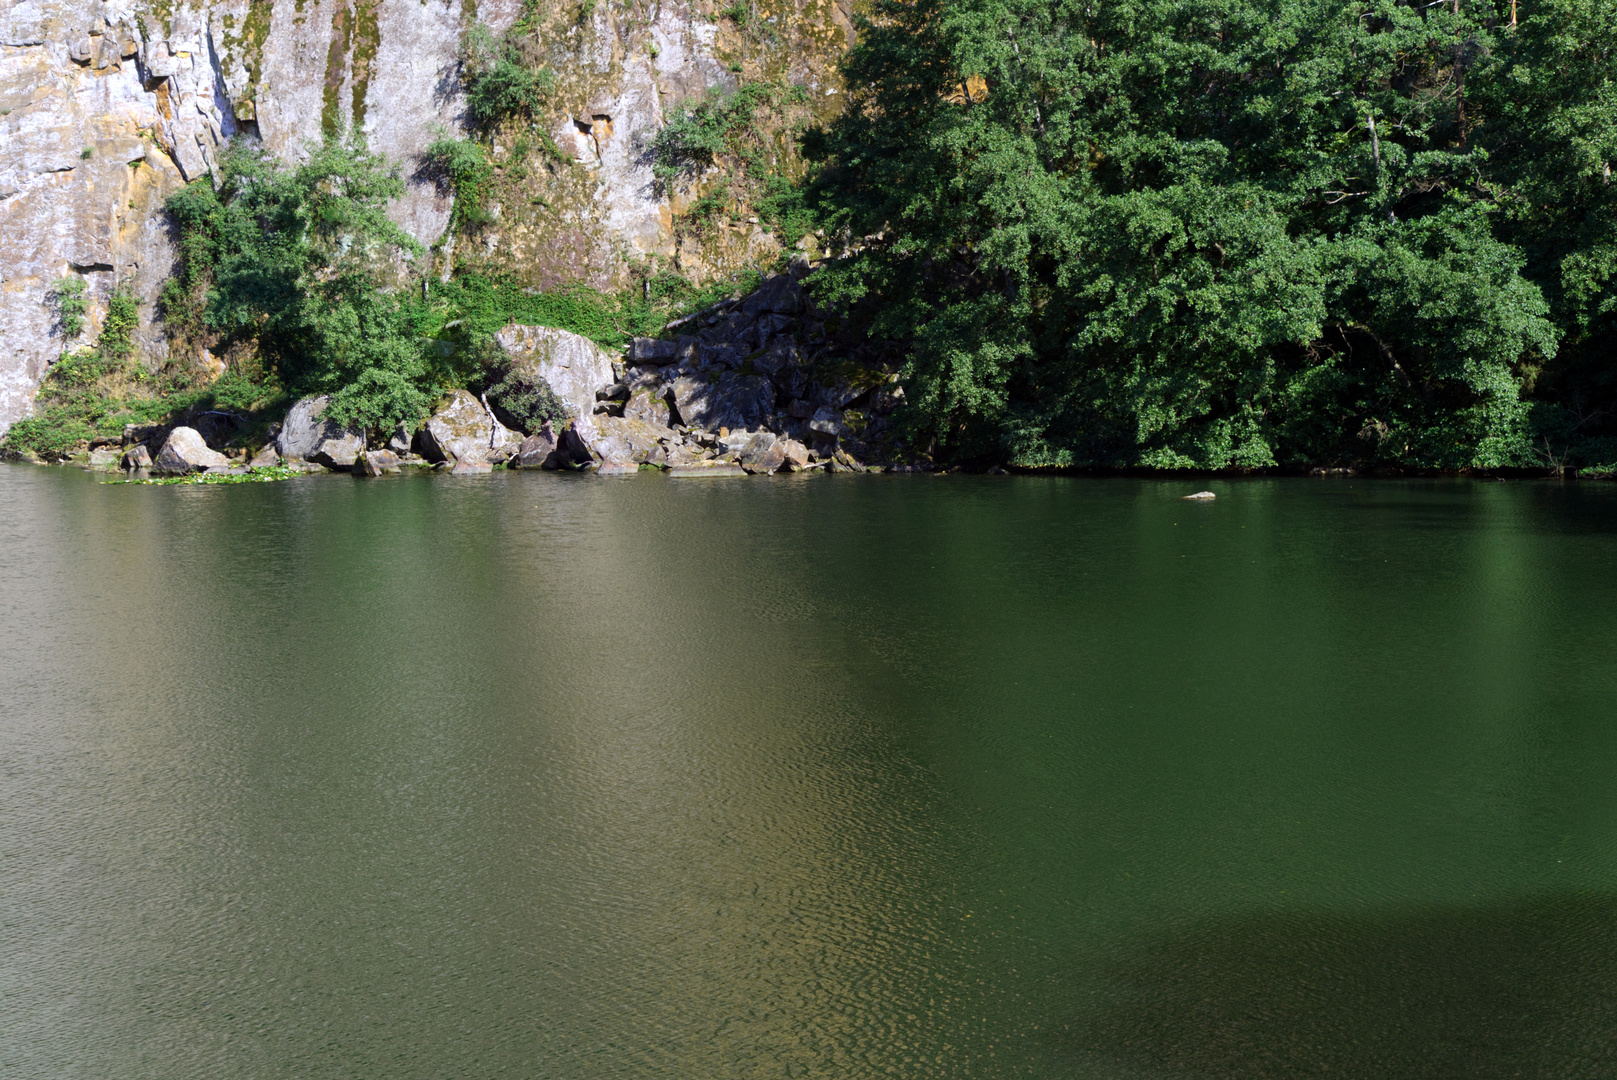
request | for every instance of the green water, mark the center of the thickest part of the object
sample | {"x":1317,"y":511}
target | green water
{"x":553,"y":776}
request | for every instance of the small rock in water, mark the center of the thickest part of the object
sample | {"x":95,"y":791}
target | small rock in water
{"x":1201,"y":495}
{"x":137,"y":457}
{"x":470,"y":468}
{"x":265,"y":458}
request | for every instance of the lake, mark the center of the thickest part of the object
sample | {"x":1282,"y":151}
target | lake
{"x":541,"y":775}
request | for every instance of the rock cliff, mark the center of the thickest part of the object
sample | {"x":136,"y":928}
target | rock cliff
{"x":107,"y":108}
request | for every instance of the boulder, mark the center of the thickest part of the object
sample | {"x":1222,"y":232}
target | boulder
{"x":828,"y":421}
{"x":266,"y":458}
{"x":646,"y":407}
{"x":612,"y":468}
{"x":399,"y":442}
{"x":105,"y":458}
{"x":795,"y":455}
{"x":307,"y":437}
{"x":763,"y":453}
{"x":734,"y":401}
{"x":465,"y":430}
{"x":780,"y":295}
{"x":621,"y":441}
{"x":538,"y":451}
{"x":470,"y":468}
{"x":376,"y":462}
{"x":574,"y":367}
{"x":781,"y":356}
{"x":137,"y":457}
{"x":652,"y":351}
{"x":185,"y":452}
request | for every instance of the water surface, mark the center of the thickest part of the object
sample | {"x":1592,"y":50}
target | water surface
{"x":557,"y":776}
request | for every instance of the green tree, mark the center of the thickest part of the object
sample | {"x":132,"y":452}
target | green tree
{"x":298,"y":260}
{"x":1230,"y":233}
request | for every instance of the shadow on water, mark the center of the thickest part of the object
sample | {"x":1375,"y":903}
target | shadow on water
{"x":1518,"y":991}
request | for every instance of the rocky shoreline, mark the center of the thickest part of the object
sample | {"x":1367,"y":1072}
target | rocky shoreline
{"x":752,"y":385}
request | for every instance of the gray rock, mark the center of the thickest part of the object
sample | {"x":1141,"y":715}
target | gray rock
{"x":775,"y":361}
{"x":376,"y":462}
{"x":305,"y":436}
{"x":574,"y":367}
{"x":1201,"y":496}
{"x":763,"y":453}
{"x":399,"y":442}
{"x":611,"y":468}
{"x":828,"y":421}
{"x":465,"y":430}
{"x":795,"y":455}
{"x":653,"y":351}
{"x":105,"y":459}
{"x":137,"y":457}
{"x":265,"y":458}
{"x":621,"y":441}
{"x":648,"y":408}
{"x":470,"y":468}
{"x":780,"y":294}
{"x":738,"y":402}
{"x":538,"y":451}
{"x":185,"y":452}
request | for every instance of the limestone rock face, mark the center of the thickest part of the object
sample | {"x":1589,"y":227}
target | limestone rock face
{"x":106,"y":110}
{"x":185,"y":452}
{"x":306,"y":436}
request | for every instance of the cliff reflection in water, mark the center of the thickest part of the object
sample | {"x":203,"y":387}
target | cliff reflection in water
{"x":806,"y":776}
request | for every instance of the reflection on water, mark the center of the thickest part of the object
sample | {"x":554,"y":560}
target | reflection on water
{"x":830,"y":776}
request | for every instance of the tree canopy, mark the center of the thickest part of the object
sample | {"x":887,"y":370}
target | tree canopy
{"x":1235,"y":232}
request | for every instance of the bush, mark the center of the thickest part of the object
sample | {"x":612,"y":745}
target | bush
{"x":466,"y":166}
{"x":71,"y":305}
{"x":500,"y":83}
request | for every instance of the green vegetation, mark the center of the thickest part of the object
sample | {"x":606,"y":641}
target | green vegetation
{"x":1239,"y":233}
{"x":71,"y":306}
{"x":467,"y":167}
{"x":742,"y":134}
{"x":255,"y":476}
{"x":299,"y":261}
{"x":501,"y":82}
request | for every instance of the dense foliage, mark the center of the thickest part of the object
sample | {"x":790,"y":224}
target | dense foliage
{"x":1236,"y":232}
